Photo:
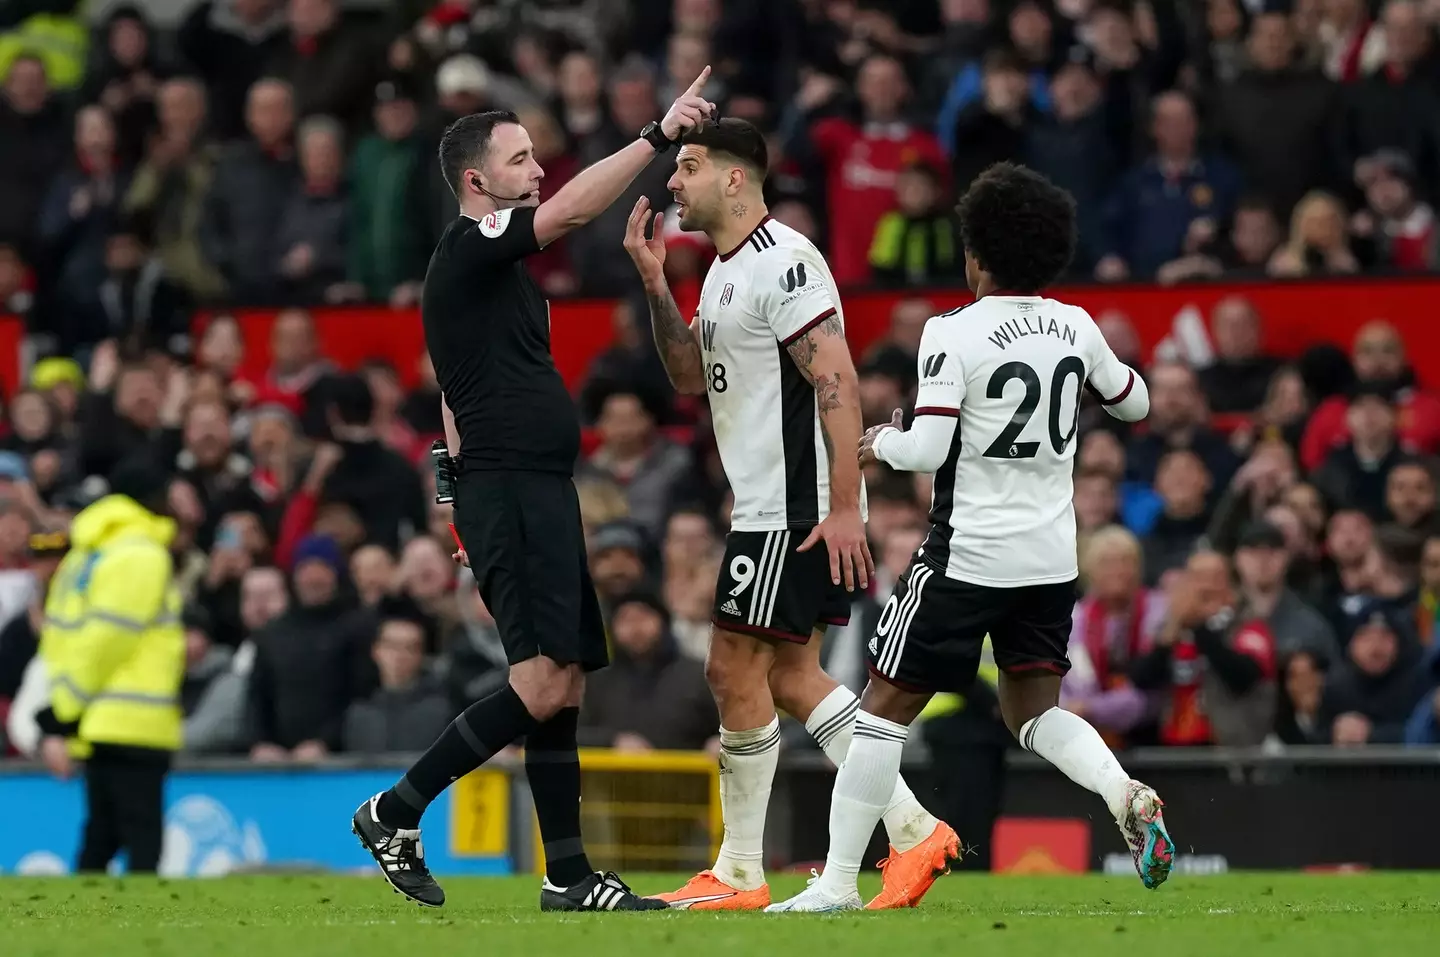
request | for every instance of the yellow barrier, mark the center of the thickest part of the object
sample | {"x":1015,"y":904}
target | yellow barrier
{"x":651,"y":810}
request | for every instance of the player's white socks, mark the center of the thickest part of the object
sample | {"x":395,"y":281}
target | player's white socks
{"x":831,"y":724}
{"x":747,"y":770}
{"x":863,"y":788}
{"x":1068,"y":741}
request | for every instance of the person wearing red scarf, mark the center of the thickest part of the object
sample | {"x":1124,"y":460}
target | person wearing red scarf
{"x":1114,"y":624}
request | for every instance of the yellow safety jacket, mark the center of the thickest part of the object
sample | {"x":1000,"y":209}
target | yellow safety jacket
{"x":112,"y":640}
{"x":61,"y":42}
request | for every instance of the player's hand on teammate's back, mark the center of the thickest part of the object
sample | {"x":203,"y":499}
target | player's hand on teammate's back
{"x":843,"y":533}
{"x":648,"y":254}
{"x":688,"y":109}
{"x":867,"y":441}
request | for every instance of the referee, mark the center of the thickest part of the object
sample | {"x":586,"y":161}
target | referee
{"x":510,"y":418}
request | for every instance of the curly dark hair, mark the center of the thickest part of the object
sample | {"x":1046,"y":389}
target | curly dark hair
{"x":1018,"y":226}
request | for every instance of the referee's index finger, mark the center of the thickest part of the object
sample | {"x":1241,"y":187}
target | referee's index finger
{"x":699,"y":83}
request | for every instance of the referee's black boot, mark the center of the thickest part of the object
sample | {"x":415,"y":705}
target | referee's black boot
{"x":598,"y":891}
{"x":400,"y":855}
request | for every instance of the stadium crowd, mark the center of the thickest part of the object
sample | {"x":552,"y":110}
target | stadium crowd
{"x":1260,"y":558}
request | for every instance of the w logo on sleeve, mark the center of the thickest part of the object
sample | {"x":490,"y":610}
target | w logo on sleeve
{"x":933,"y":365}
{"x":794,"y":278}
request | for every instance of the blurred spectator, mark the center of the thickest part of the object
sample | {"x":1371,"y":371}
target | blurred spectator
{"x":307,"y":662}
{"x":254,"y":179}
{"x":473,"y":657}
{"x":636,"y":457}
{"x":1261,"y":564}
{"x":1379,"y":360}
{"x":1244,"y":253}
{"x":1396,"y":221}
{"x":1369,"y":696}
{"x":373,"y":571}
{"x":1261,"y":482}
{"x":1394,"y":106}
{"x":1302,"y":685}
{"x":629,"y":361}
{"x":1217,"y":669}
{"x":171,"y":185}
{"x":1115,"y":622}
{"x":918,"y":242}
{"x":80,"y":210}
{"x":1172,"y":203}
{"x":384,"y":384}
{"x":329,"y":63}
{"x":1352,"y":45}
{"x":33,"y":127}
{"x":388,"y":246}
{"x":311,"y":233}
{"x":551,"y":266}
{"x":617,"y":562}
{"x":1237,"y":379}
{"x":138,"y":306}
{"x":1275,"y":119}
{"x":1096,"y":501}
{"x":1177,"y":420}
{"x":861,"y":160}
{"x":409,"y":710}
{"x":1183,"y":485}
{"x":1281,"y":416}
{"x":1318,"y":244}
{"x":992,"y":129}
{"x":299,"y":377}
{"x":228,"y":43}
{"x":1428,"y":602}
{"x":1355,"y":475}
{"x":1074,"y":148}
{"x":381,"y":486}
{"x":220,"y":476}
{"x":1410,"y":496}
{"x":601,"y":265}
{"x":651,"y":696}
{"x":113,"y":426}
{"x":1349,"y":544}
{"x":1424,"y":724}
{"x":126,"y":78}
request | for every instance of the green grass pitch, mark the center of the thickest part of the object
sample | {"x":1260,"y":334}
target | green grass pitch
{"x":1236,"y":915}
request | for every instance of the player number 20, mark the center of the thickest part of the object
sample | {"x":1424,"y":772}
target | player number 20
{"x":1005,"y":445}
{"x":716,"y":374}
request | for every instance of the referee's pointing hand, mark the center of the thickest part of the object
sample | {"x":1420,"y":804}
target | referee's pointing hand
{"x":688,"y":110}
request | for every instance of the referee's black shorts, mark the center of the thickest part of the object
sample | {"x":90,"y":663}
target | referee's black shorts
{"x":522,"y":533}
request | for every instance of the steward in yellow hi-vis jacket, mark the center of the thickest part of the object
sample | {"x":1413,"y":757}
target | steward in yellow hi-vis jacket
{"x":115,"y":652}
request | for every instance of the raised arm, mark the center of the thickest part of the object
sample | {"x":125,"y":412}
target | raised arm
{"x":593,"y":190}
{"x":674,"y":339}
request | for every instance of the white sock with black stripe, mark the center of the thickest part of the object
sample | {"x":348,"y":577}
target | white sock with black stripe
{"x":747,"y":770}
{"x":831,"y":724}
{"x":862,"y":790}
{"x":1069,"y":742}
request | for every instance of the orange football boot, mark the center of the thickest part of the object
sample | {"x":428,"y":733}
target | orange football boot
{"x":909,"y":875}
{"x":705,"y":891}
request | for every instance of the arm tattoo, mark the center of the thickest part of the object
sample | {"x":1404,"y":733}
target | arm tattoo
{"x":674,"y":340}
{"x":837,"y":400}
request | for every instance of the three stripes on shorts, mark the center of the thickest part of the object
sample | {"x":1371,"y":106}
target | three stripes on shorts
{"x":887,"y":662}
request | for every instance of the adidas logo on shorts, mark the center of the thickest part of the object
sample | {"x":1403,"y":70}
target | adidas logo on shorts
{"x":730,"y":608}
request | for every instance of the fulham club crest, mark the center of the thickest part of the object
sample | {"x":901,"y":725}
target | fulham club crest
{"x":727,"y":294}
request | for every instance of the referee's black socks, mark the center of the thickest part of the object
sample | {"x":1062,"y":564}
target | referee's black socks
{"x":478,"y":734}
{"x":553,"y":767}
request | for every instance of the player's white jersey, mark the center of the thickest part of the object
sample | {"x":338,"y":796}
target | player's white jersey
{"x":1011,"y":368}
{"x":756,"y":300}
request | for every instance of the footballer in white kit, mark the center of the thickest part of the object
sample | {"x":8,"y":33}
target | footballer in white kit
{"x":995,"y":418}
{"x":767,"y":346}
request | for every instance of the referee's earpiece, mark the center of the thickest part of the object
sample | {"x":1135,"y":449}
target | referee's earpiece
{"x":475,"y":184}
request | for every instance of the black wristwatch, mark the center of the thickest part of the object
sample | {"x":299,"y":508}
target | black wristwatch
{"x":655,"y":136}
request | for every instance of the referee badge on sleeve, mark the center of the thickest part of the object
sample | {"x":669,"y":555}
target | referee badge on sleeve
{"x":492,"y":225}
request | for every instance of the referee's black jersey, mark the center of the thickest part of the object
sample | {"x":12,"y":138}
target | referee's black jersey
{"x":487,"y":326}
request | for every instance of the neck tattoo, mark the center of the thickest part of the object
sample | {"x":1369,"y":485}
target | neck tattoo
{"x":738,"y":210}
